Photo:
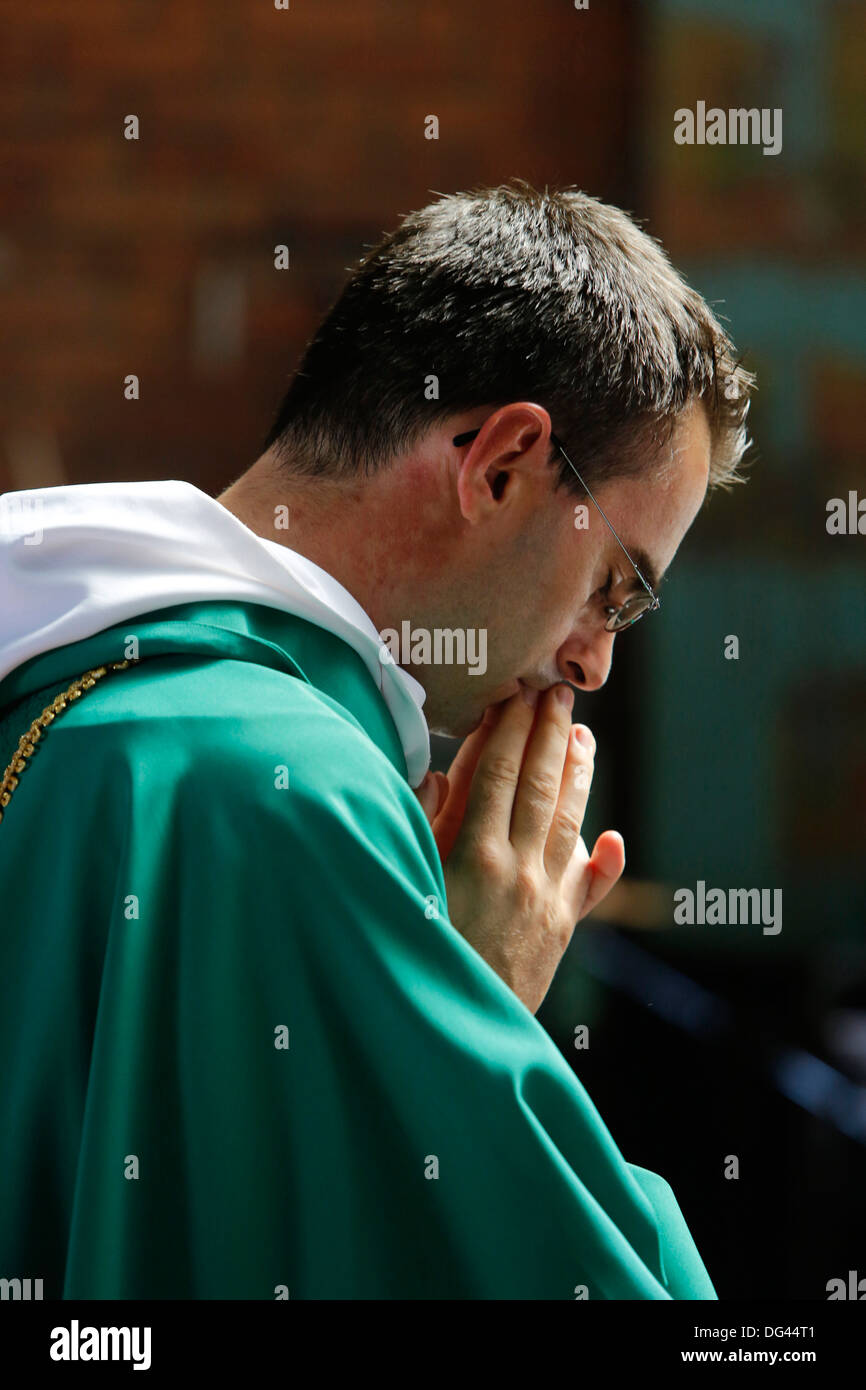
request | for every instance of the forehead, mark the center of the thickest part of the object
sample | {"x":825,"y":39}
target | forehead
{"x":653,"y":511}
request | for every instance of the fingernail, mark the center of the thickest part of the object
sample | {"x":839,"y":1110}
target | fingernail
{"x":565,"y":695}
{"x":529,"y":695}
{"x":584,"y":736}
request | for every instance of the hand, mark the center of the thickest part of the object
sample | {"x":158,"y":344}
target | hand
{"x":431,"y":792}
{"x":507,"y":822}
{"x":443,"y":798}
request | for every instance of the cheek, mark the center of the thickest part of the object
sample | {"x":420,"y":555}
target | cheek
{"x":534,"y":604}
{"x":549,"y":623}
{"x":559,"y":590}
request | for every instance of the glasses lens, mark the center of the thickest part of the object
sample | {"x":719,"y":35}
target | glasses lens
{"x":632,"y":609}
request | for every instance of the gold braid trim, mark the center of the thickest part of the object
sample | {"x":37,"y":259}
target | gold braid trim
{"x":27,"y":742}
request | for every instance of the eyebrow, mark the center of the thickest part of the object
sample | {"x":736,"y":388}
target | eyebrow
{"x":646,"y":567}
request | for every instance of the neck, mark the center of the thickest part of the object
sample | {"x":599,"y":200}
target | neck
{"x":356,"y":531}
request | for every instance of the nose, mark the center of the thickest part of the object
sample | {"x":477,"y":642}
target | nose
{"x":586,"y":661}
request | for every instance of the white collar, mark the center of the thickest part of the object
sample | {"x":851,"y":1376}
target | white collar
{"x":75,"y":560}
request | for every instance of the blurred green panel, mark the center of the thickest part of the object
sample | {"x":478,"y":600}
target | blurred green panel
{"x":752,"y":772}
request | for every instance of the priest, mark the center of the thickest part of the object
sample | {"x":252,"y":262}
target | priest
{"x":269,"y":985}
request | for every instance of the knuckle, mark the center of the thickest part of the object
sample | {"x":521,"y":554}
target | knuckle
{"x":486,"y":857}
{"x":541,"y":786}
{"x":565,"y":822}
{"x":526,"y":882}
{"x":502,"y":769}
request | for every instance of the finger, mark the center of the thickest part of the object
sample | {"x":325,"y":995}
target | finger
{"x":490,"y":803}
{"x":462,"y":769}
{"x":541,"y":776}
{"x":442,"y":791}
{"x":568,"y":817}
{"x":428,"y":795}
{"x":452,"y":808}
{"x":606,"y":865}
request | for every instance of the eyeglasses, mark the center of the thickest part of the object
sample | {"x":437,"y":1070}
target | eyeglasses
{"x":638,"y":604}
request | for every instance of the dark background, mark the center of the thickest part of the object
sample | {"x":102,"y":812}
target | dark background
{"x":305,"y":127}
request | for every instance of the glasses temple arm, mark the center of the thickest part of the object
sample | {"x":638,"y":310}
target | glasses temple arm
{"x":606,"y":522}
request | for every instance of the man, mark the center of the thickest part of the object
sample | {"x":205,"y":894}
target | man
{"x":266,"y":1031}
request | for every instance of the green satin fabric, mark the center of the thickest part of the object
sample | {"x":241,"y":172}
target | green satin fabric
{"x":170,"y":905}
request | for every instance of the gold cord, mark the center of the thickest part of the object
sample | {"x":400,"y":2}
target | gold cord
{"x":27,"y":742}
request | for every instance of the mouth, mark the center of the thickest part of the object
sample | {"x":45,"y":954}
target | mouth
{"x":516,"y":686}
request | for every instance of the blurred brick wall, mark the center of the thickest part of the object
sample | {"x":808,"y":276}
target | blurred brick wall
{"x":257,"y":126}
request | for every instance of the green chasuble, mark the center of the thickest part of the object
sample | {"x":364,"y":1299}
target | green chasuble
{"x":244,"y":1052}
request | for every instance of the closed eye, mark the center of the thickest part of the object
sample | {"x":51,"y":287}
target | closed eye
{"x":602,"y":594}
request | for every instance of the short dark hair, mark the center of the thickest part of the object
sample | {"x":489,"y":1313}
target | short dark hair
{"x":509,"y":294}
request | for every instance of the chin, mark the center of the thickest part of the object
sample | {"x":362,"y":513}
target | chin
{"x":455,"y":728}
{"x":460,"y":725}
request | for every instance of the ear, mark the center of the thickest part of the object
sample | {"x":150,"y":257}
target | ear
{"x":513,"y":445}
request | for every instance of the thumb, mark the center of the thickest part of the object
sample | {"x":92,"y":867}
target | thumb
{"x":427,"y":793}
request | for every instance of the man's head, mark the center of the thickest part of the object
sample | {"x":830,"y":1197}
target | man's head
{"x":517,"y":314}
